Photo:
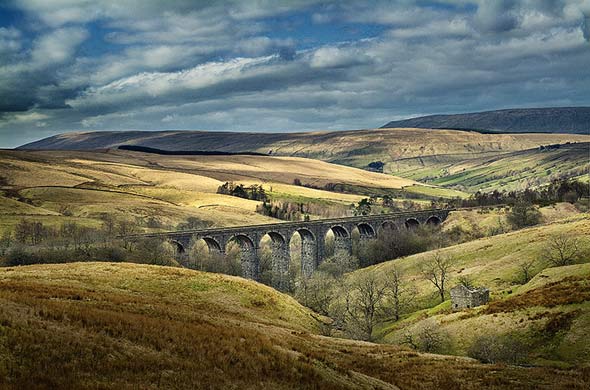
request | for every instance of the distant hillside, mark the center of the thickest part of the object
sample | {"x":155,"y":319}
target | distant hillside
{"x":573,"y":120}
{"x":509,"y":171}
{"x":355,"y":148}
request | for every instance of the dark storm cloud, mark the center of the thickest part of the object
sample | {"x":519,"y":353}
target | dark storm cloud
{"x":71,"y":65}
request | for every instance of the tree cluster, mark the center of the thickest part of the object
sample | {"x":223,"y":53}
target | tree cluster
{"x":253,"y":192}
{"x":563,"y":190}
{"x":286,"y":211}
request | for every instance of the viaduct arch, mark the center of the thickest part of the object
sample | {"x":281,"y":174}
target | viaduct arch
{"x":312,"y":235}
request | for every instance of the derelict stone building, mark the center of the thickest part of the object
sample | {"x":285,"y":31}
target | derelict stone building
{"x":463,"y":297}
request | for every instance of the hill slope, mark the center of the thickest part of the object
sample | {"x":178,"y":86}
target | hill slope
{"x":508,"y":171}
{"x":538,"y":120}
{"x":549,"y":316}
{"x":105,"y":325}
{"x":494,"y":262}
{"x":356,"y":147}
{"x":58,"y":186}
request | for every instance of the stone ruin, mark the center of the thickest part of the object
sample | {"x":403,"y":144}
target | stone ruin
{"x":463,"y":297}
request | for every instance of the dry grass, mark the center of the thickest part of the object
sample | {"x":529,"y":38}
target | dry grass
{"x":492,"y":261}
{"x":549,"y":314}
{"x":567,"y":291}
{"x":169,"y":188}
{"x":100,"y":325}
{"x":495,"y":219}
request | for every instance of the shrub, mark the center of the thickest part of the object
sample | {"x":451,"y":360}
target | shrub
{"x":498,"y":349}
{"x":523,"y":214}
{"x":431,"y":338}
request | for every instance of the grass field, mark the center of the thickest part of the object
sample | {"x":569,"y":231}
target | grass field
{"x":508,"y":171}
{"x":493,"y":262}
{"x":65,"y":185}
{"x":550,"y":315}
{"x":105,"y":325}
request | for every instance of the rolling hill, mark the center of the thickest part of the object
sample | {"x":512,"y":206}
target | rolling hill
{"x":355,"y":148}
{"x":515,"y":308}
{"x":113,"y":325}
{"x":61,"y":186}
{"x":464,"y":160}
{"x":575,"y":120}
{"x":508,"y":171}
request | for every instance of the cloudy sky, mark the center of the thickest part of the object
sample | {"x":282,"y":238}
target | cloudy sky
{"x":262,"y":65}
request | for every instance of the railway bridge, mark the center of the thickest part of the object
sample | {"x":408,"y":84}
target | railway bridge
{"x":312,"y":235}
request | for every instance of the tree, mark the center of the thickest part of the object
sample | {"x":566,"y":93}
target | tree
{"x":392,"y":243}
{"x":388,"y":201}
{"x":505,"y":348}
{"x":427,"y":337}
{"x":32,"y":232}
{"x":318,"y":292}
{"x":364,"y":305}
{"x":5,"y":242}
{"x":108,"y":224}
{"x":523,"y":214}
{"x":402,"y":295}
{"x":436,"y":271}
{"x":125,"y":228}
{"x":153,"y":251}
{"x":561,"y":250}
{"x":336,"y":266}
{"x":526,"y":270}
{"x":430,"y":337}
{"x":363,"y":207}
{"x":465,"y":281}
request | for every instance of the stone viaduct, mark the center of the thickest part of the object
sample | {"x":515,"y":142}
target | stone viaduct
{"x":312,"y":235}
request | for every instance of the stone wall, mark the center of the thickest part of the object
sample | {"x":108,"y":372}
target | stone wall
{"x":250,"y":262}
{"x":281,"y":260}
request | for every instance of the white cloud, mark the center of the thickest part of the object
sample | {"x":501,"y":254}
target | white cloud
{"x":25,"y":118}
{"x":204,"y":65}
{"x":336,"y":57}
{"x":159,"y":84}
{"x":10,"y":40}
{"x":57,"y":47}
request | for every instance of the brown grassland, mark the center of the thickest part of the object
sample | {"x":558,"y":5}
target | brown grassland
{"x":106,"y":325}
{"x":55,"y":186}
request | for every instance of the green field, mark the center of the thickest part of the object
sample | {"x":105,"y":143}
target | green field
{"x":494,"y":262}
{"x":509,"y":171}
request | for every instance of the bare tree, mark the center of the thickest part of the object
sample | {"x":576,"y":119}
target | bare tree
{"x":526,"y":270}
{"x":430,"y":336}
{"x":436,"y":271}
{"x":125,"y":228}
{"x":318,"y":292}
{"x":427,"y":337}
{"x":523,"y":214}
{"x":402,"y":295}
{"x":561,"y":250}
{"x":364,"y":301}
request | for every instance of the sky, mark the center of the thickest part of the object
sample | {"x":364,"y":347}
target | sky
{"x":280,"y":66}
